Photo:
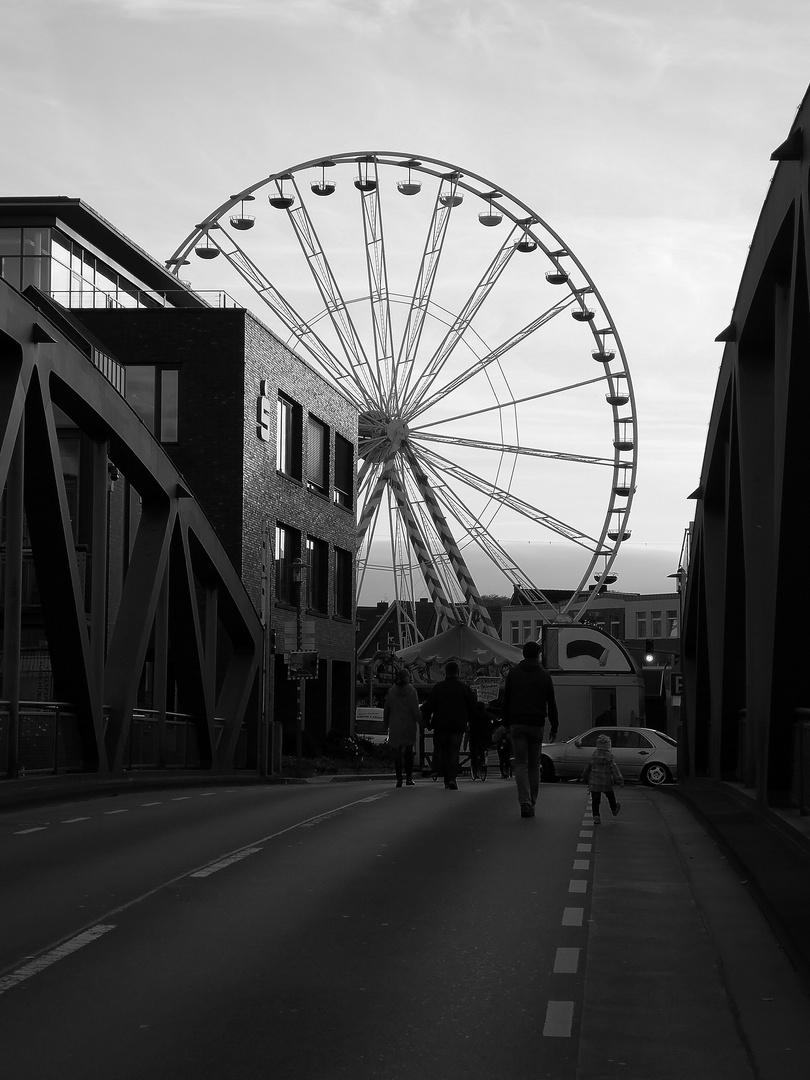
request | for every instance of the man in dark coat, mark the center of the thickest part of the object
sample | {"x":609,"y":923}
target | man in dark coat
{"x":447,"y":709}
{"x":528,"y":699}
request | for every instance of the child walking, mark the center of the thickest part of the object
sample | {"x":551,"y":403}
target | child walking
{"x":600,"y":773}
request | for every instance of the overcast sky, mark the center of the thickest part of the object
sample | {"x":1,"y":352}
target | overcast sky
{"x":640,"y":131}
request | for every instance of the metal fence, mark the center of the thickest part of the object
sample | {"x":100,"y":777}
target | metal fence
{"x":49,"y":740}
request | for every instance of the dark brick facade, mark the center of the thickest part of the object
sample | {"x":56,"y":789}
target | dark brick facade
{"x":226,"y":359}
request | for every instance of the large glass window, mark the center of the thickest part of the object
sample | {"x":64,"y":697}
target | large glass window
{"x":154,"y":395}
{"x":288,"y":437}
{"x":343,"y":583}
{"x":641,"y":624}
{"x":10,"y":240}
{"x":318,"y":575}
{"x":288,"y":547}
{"x":657,"y":624}
{"x":317,"y":455}
{"x":344,"y":472}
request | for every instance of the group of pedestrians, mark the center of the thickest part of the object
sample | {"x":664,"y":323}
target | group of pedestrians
{"x":451,"y":709}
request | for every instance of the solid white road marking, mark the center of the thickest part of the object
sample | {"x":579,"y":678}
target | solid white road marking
{"x":566,"y":962}
{"x":228,"y":861}
{"x":559,"y":1019}
{"x":581,"y":864}
{"x":584,"y":847}
{"x":572,"y":916}
{"x":577,"y":885}
{"x":48,"y":958}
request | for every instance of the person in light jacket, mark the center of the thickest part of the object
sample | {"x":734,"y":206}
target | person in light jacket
{"x":600,"y":774}
{"x":401,"y":718}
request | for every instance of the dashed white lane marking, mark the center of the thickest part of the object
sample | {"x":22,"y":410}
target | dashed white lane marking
{"x":584,"y":833}
{"x":180,"y":798}
{"x":572,"y":916}
{"x":581,"y":864}
{"x":158,"y":803}
{"x":566,"y":962}
{"x":73,"y":820}
{"x":559,"y":1019}
{"x":48,"y":958}
{"x":577,"y":885}
{"x":228,"y":861}
{"x":36,"y":828}
{"x":584,"y":847}
{"x":125,"y":810}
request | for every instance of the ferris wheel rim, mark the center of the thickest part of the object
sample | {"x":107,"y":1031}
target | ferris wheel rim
{"x":520,"y":214}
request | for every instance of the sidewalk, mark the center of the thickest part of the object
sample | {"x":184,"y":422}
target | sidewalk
{"x":684,"y":975}
{"x":770,"y":851}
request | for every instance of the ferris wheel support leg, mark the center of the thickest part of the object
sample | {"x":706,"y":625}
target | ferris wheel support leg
{"x":478,"y":611}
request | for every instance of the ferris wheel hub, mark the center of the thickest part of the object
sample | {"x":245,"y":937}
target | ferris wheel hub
{"x":397,"y":433}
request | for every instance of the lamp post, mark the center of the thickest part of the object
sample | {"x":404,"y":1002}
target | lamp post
{"x":298,"y":577}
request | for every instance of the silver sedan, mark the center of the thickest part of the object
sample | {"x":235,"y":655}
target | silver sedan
{"x":641,"y":754}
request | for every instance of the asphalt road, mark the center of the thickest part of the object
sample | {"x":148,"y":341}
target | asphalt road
{"x":358,"y":930}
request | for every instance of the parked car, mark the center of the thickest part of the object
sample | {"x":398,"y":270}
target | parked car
{"x":641,"y":753}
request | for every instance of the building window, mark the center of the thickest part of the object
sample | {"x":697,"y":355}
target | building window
{"x":514,"y":632}
{"x":615,"y":627}
{"x":318,"y":575}
{"x":343,"y":583}
{"x":641,"y":624}
{"x":657,"y":625}
{"x":288,"y":547}
{"x":288,"y":437}
{"x":317,"y":455}
{"x":527,"y":629}
{"x":344,"y":472}
{"x":672,"y":624}
{"x":154,"y":395}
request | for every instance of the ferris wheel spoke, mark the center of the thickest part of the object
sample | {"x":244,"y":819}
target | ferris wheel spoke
{"x":508,"y":404}
{"x":527,"y":451}
{"x":497,"y":353}
{"x":326,"y":283}
{"x":295,"y":323}
{"x":374,"y":499}
{"x":478,"y":609}
{"x":425,"y":380}
{"x":506,"y":498}
{"x":446,"y":197}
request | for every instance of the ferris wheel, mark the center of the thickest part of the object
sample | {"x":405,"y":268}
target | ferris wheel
{"x":497,"y":436}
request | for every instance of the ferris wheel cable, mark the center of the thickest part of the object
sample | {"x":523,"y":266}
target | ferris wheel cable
{"x":501,"y":558}
{"x":457,"y":562}
{"x":508,"y":404}
{"x":491,"y":547}
{"x":423,"y":290}
{"x":300,"y":329}
{"x":326,"y":283}
{"x":426,"y":563}
{"x":494,"y":354}
{"x":446,"y":467}
{"x":426,"y":378}
{"x":480,"y":444}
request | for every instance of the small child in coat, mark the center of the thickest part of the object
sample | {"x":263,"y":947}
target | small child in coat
{"x":600,"y":774}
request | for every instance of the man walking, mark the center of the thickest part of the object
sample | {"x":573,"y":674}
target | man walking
{"x":527,"y":700}
{"x":447,"y":709}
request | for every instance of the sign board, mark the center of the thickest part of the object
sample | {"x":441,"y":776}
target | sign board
{"x":675,"y":683}
{"x":487,"y":687}
{"x":302,"y":665}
